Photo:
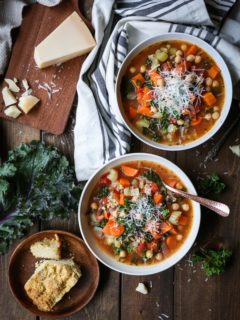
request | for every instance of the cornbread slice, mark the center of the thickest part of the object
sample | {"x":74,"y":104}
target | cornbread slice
{"x":47,"y":248}
{"x":50,"y":281}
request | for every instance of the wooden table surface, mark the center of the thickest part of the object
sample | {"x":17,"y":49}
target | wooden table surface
{"x":180,"y":293}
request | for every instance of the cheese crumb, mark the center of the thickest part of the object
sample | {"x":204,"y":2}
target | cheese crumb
{"x":142,"y":288}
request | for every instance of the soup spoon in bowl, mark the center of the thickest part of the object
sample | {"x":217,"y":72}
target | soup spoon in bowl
{"x":218,"y":207}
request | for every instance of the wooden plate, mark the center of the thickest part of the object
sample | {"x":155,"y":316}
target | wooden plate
{"x":22,"y":266}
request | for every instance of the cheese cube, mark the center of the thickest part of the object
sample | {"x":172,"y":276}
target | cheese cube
{"x":26,"y":103}
{"x":8,"y":97}
{"x":12,"y":112}
{"x":12,"y":85}
{"x":70,"y":39}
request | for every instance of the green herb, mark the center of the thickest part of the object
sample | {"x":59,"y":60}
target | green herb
{"x":213,"y":261}
{"x":164,"y":212}
{"x":35,"y":182}
{"x":206,"y":64}
{"x":138,"y":83}
{"x":129,"y":248}
{"x":127,"y":87}
{"x":102,"y":192}
{"x":127,"y":205}
{"x":153,"y":176}
{"x":116,"y":250}
{"x":211,"y":184}
{"x":102,"y":223}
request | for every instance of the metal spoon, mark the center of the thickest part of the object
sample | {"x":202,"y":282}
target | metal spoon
{"x":218,"y":207}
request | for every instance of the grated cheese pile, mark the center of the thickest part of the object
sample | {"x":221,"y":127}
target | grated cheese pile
{"x":178,"y":92}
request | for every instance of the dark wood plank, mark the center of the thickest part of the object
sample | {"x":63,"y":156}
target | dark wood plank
{"x":11,"y":135}
{"x":52,"y":112}
{"x":196,"y":296}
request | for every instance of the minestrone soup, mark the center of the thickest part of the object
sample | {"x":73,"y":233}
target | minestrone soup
{"x":134,"y":218}
{"x":173,"y":92}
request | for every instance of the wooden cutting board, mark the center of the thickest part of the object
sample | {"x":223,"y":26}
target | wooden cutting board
{"x":55,"y":86}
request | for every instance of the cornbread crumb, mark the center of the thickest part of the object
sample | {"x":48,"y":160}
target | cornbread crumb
{"x":47,"y":248}
{"x":51,"y":280}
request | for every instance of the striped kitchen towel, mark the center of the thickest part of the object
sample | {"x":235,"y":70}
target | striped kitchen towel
{"x":99,"y":133}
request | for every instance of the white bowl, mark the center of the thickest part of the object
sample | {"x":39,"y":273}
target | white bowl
{"x":108,"y":260}
{"x":217,"y":58}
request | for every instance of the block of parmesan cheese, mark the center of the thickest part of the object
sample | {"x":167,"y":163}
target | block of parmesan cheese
{"x":51,"y":280}
{"x":70,"y":39}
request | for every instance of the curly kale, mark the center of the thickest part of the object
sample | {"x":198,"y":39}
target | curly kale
{"x":35,"y":182}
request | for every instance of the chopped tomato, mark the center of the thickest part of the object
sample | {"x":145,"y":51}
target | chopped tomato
{"x":141,"y":247}
{"x":154,"y":187}
{"x":104,"y":180}
{"x":158,"y":198}
{"x":152,"y":245}
{"x":104,"y":201}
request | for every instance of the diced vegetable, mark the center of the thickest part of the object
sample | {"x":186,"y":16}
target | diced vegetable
{"x":213,"y":71}
{"x":192,"y":50}
{"x":114,"y":229}
{"x":129,"y":171}
{"x":132,"y":112}
{"x":145,"y":111}
{"x":142,"y":123}
{"x":113,"y":175}
{"x":138,"y":80}
{"x":209,"y":99}
{"x":124,"y":182}
{"x":174,"y":217}
{"x":158,"y":198}
{"x":171,"y":242}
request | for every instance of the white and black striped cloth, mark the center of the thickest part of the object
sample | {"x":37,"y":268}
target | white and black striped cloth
{"x":99,"y":133}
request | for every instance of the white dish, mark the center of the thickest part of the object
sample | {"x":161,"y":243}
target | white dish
{"x":108,"y":260}
{"x":217,"y":58}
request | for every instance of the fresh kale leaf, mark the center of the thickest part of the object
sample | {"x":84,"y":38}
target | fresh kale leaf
{"x":153,"y":176}
{"x":211,"y":184}
{"x":35,"y":182}
{"x":213,"y":261}
{"x":164,"y":212}
{"x":103,"y":192}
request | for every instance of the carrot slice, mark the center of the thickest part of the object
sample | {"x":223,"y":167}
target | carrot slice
{"x":113,"y":228}
{"x":145,"y":111}
{"x":132,"y":112}
{"x":183,"y":220}
{"x":106,"y":215}
{"x":129,"y":171}
{"x":196,"y":121}
{"x":213,"y":71}
{"x":122,"y":199}
{"x":154,"y":76}
{"x":171,"y":182}
{"x":209,"y":99}
{"x":138,"y":80}
{"x":165,"y":227}
{"x":124,"y":182}
{"x":158,"y":198}
{"x":192,"y":50}
{"x":171,"y":242}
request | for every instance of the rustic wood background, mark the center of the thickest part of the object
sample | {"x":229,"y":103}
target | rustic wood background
{"x":180,"y":293}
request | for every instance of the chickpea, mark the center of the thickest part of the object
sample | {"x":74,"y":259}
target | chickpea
{"x":175,"y":206}
{"x":180,"y":122}
{"x":178,"y":59}
{"x":183,"y":47}
{"x":215,"y":84}
{"x":216,"y":108}
{"x":154,"y":109}
{"x":179,"y":185}
{"x":122,"y":254}
{"x":94,"y":206}
{"x":208,"y":89}
{"x":149,"y":254}
{"x":142,"y":69}
{"x":179,"y":237}
{"x":179,"y":53}
{"x":215,"y":115}
{"x":168,"y":46}
{"x":208,"y":116}
{"x":190,"y":58}
{"x":185,"y":207}
{"x":208,"y":81}
{"x":159,"y":256}
{"x":198,"y":59}
{"x":135,"y":182}
{"x":180,"y":227}
{"x":132,"y":69}
{"x":164,"y":49}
